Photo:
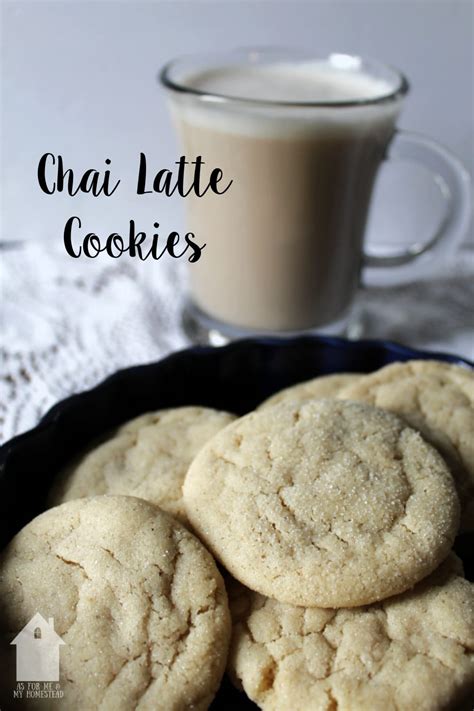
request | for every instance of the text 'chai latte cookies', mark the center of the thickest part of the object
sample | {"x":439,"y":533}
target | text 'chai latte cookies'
{"x":323,"y":503}
{"x":147,"y":457}
{"x":413,"y":652}
{"x":136,"y":599}
{"x":438,"y":400}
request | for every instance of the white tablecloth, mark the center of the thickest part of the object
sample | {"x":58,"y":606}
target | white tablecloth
{"x":68,"y":323}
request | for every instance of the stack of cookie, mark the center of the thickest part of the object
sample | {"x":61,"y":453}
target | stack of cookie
{"x":136,"y":599}
{"x":332,"y":511}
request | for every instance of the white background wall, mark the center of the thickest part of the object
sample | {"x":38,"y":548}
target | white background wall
{"x":79,"y":78}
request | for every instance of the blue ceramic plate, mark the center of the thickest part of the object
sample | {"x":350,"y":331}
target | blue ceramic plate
{"x":236,"y":377}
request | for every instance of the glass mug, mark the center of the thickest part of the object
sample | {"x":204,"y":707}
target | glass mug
{"x":285,"y":244}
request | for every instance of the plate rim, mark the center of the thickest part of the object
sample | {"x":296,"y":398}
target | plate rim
{"x":51,"y":415}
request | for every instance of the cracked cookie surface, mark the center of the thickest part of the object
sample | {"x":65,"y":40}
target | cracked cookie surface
{"x":136,"y":598}
{"x":324,"y":503}
{"x":147,"y":457}
{"x":324,"y":386}
{"x":437,"y":399}
{"x":414,"y":651}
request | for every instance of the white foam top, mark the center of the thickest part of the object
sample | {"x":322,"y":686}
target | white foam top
{"x":338,"y":79}
{"x":305,"y":81}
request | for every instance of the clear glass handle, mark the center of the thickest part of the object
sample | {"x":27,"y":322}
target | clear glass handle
{"x":454,"y":187}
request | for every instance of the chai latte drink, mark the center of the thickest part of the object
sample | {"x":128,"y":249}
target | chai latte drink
{"x":302,"y":142}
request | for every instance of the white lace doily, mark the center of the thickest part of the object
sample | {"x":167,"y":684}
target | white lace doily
{"x":68,"y":323}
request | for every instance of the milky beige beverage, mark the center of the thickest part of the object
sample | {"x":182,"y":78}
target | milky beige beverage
{"x":284,"y":243}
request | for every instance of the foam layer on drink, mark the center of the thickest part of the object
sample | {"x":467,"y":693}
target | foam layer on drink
{"x":291,"y":82}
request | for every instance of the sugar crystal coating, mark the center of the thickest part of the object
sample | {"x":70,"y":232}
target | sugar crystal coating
{"x":136,"y":598}
{"x":323,"y":503}
{"x":414,"y":651}
{"x":147,"y":457}
{"x":438,"y":400}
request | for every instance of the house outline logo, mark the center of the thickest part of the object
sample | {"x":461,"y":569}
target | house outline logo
{"x":37,"y":650}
